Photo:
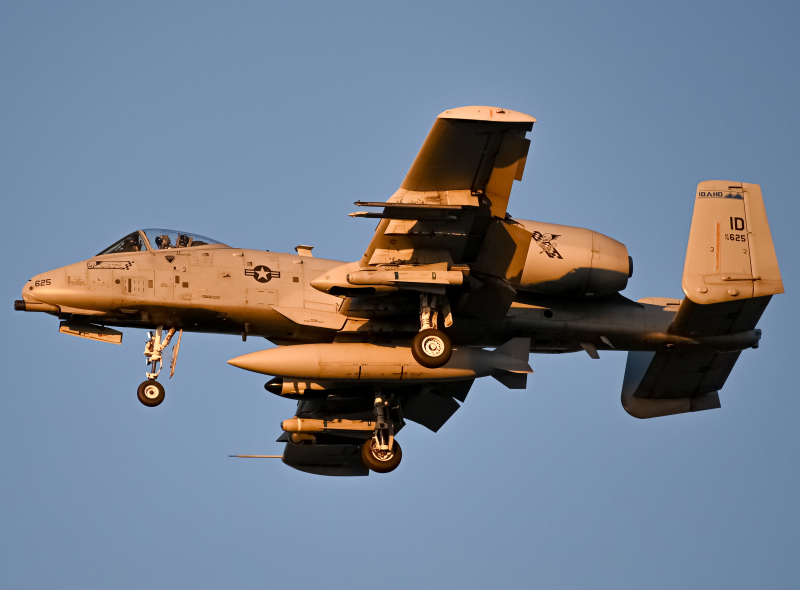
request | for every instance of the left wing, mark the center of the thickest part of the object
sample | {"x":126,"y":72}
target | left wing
{"x":450,"y":211}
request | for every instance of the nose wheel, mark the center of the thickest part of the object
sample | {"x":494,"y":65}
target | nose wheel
{"x":150,"y":393}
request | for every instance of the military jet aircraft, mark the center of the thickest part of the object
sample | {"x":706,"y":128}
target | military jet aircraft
{"x":403,"y":332}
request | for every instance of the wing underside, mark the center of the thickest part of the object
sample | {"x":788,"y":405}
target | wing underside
{"x":337,"y":452}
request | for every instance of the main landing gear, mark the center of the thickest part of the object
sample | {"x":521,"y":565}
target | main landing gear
{"x":382,"y":453}
{"x":151,"y":392}
{"x":431,"y":347}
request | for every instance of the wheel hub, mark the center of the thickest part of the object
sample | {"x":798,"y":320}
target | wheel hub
{"x":433,"y":346}
{"x":151,"y":392}
{"x":380,"y":455}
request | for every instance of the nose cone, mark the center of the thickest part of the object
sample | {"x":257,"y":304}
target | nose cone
{"x":299,"y":361}
{"x":268,"y":361}
{"x":322,"y":283}
{"x":248,"y":362}
{"x":75,"y":287}
{"x":334,"y":277}
{"x":44,"y":288}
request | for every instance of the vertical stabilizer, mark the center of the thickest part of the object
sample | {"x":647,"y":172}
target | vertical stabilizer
{"x":730,"y":255}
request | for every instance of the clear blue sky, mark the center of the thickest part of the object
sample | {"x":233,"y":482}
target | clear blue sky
{"x":258,"y":124}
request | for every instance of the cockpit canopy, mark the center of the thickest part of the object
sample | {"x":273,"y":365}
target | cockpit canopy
{"x":158,"y":239}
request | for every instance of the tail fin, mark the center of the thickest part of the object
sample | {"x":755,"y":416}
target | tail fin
{"x":730,"y":275}
{"x":731,"y":270}
{"x":730,"y":256}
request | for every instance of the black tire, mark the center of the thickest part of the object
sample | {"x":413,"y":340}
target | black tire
{"x":150,"y":393}
{"x":431,"y":348}
{"x":381,"y":465}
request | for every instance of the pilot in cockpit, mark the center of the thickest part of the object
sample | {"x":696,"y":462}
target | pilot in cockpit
{"x":131,"y":243}
{"x":163,"y":242}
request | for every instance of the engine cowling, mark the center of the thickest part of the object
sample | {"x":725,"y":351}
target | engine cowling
{"x":566,"y":260}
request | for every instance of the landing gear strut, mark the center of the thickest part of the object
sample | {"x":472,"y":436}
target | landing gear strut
{"x":431,"y":347}
{"x":151,"y":392}
{"x":382,"y":453}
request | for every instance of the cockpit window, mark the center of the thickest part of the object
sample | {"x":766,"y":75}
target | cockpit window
{"x":130,"y":243}
{"x":166,"y":239}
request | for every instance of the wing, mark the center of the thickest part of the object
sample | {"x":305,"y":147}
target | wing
{"x":336,"y":451}
{"x":450,"y":211}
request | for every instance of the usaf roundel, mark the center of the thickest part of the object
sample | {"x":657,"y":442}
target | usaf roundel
{"x":262,"y":273}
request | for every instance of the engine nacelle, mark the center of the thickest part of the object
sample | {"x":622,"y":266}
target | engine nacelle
{"x":566,"y":260}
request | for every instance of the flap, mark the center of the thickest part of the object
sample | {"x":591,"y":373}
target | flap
{"x":504,"y":251}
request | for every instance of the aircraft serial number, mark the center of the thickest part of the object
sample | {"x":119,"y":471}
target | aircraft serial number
{"x":736,"y":237}
{"x":42,"y":283}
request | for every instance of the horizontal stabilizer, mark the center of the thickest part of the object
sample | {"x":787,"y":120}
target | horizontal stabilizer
{"x":674,"y":382}
{"x":718,"y":319}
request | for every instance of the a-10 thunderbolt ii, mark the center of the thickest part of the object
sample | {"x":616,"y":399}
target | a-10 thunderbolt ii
{"x":403,"y":332}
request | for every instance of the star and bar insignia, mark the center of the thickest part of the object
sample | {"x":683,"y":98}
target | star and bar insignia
{"x":262,"y":273}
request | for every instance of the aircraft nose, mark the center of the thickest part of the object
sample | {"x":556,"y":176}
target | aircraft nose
{"x":40,"y":288}
{"x":36,"y":296}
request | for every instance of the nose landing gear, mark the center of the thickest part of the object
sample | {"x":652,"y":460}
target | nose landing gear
{"x":151,"y":392}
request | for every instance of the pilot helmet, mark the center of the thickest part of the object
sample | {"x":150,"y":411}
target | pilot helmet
{"x":162,"y":242}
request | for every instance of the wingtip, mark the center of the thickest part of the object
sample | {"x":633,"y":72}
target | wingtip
{"x":487,"y":113}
